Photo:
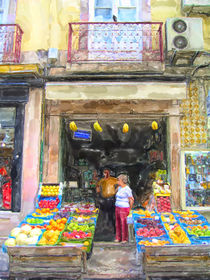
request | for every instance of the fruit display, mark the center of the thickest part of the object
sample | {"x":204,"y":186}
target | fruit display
{"x":163,"y":203}
{"x":186,"y":214}
{"x":190,"y":221}
{"x":199,"y":231}
{"x":146,"y":213}
{"x":35,"y":221}
{"x":60,"y":215}
{"x":160,"y":187}
{"x":150,"y":223}
{"x":49,"y":237}
{"x":50,"y":190}
{"x":178,"y":235}
{"x":81,"y":220}
{"x":59,"y":224}
{"x":85,"y":216}
{"x":150,"y":232}
{"x":85,"y":228}
{"x":168,"y":218}
{"x":49,"y":203}
{"x":75,"y":235}
{"x":86,"y":209}
{"x":154,"y":242}
{"x":44,"y":212}
{"x":24,"y":235}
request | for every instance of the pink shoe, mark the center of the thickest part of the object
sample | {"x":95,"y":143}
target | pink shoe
{"x":116,"y":241}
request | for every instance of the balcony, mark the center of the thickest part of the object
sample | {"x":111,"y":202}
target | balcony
{"x":115,"y":42}
{"x":10,"y":43}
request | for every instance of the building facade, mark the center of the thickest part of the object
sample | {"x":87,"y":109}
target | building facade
{"x":112,"y":61}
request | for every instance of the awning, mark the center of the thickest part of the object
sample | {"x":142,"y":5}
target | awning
{"x":116,"y":90}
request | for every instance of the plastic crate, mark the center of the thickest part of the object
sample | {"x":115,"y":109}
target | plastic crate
{"x":44,"y":221}
{"x":39,"y":198}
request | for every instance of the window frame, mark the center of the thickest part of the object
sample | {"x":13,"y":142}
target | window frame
{"x":16,"y":97}
{"x":115,"y":7}
{"x":4,"y":9}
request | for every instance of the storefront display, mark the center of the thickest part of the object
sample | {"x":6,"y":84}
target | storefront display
{"x":72,"y":224}
{"x":158,"y":229}
{"x":195,"y":179}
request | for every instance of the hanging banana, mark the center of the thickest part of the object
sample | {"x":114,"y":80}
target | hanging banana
{"x":73,"y":126}
{"x":154,"y":125}
{"x":97,"y":126}
{"x":125,"y":128}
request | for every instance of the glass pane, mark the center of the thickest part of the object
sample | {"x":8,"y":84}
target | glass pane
{"x":197,"y":179}
{"x":7,"y":117}
{"x":127,"y":14}
{"x":7,"y":132}
{"x":127,"y":3}
{"x":103,"y":3}
{"x":103,"y":14}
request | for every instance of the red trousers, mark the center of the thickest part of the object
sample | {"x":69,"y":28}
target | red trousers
{"x":121,"y":214}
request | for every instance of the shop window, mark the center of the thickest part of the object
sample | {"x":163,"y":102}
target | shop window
{"x":11,"y":137}
{"x":7,"y":131}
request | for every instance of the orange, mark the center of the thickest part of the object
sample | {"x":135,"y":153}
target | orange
{"x":64,"y":220}
{"x":49,"y":227}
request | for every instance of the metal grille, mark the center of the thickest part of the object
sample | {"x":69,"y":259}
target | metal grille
{"x":117,"y":41}
{"x":10,"y":43}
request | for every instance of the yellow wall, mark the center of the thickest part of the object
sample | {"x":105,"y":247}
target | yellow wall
{"x":45,"y":22}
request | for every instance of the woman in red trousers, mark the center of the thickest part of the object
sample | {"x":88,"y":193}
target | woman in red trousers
{"x":123,"y":204}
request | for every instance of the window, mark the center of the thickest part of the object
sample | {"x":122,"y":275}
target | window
{"x":12,"y":111}
{"x":7,"y":133}
{"x":124,"y":10}
{"x":4,"y":6}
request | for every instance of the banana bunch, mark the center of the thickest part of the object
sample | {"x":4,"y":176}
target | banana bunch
{"x":125,"y":128}
{"x":179,"y":236}
{"x":97,"y":126}
{"x":73,"y":126}
{"x":154,"y":125}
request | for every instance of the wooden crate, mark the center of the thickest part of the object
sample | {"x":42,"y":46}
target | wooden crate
{"x":177,"y":261}
{"x":57,"y":262}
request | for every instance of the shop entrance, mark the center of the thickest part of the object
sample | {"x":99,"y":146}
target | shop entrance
{"x":85,"y":154}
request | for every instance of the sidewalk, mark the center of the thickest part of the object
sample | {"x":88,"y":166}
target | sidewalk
{"x":113,"y":261}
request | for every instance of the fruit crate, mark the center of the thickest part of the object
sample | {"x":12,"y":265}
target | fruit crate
{"x":197,"y":236}
{"x":47,"y":262}
{"x":163,"y":203}
{"x":47,"y":200}
{"x":44,"y":216}
{"x":50,"y":186}
{"x":35,"y":221}
{"x":186,"y":222}
{"x":158,"y":224}
{"x":141,"y":247}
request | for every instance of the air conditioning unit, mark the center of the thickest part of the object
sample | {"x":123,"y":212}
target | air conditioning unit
{"x":184,"y":34}
{"x":196,"y":6}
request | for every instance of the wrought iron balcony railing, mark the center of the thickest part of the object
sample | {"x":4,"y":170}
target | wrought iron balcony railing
{"x":10,"y":43}
{"x":115,"y":41}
